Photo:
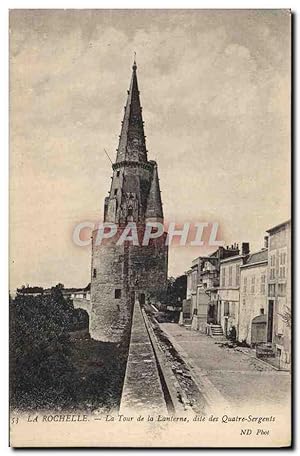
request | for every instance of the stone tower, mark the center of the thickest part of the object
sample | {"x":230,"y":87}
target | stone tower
{"x":124,"y":271}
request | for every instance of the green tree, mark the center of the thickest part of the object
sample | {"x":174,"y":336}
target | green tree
{"x":54,"y":365}
{"x":41,"y":372}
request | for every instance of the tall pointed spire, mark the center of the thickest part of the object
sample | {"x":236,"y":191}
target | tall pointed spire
{"x":154,"y":210}
{"x":134,"y":194}
{"x":132,"y":146}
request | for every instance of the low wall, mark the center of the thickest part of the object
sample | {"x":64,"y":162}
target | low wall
{"x":82,"y":303}
{"x":142,"y":390}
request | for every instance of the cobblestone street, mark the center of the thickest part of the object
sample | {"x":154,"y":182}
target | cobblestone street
{"x":238,"y":378}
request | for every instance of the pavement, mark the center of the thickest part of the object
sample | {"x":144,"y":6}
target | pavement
{"x":227,"y":373}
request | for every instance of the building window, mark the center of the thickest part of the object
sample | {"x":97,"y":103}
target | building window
{"x":282,"y":265}
{"x":237,"y":275}
{"x":245,"y":285}
{"x":117,"y":293}
{"x":272,"y":266}
{"x":115,"y":191}
{"x":118,"y":173}
{"x":282,"y":289}
{"x":263,"y":284}
{"x":244,"y":302}
{"x":195,"y":312}
{"x":223,"y":276}
{"x":232,"y":309}
{"x":271,"y":290}
{"x":226,"y":309}
{"x":230,"y":276}
{"x":253,"y":285}
{"x":262,"y":311}
{"x":94,"y":273}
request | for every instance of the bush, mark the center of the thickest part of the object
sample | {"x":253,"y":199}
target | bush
{"x":50,"y":371}
{"x":41,"y":372}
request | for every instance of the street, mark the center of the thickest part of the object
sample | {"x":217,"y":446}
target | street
{"x":227,"y":373}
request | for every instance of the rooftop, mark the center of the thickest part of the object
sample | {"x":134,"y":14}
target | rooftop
{"x":278,"y":227}
{"x":233,"y":258}
{"x":257,"y":257}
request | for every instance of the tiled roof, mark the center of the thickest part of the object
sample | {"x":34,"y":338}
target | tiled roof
{"x":258,"y":257}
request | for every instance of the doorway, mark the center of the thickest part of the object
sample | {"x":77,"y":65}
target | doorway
{"x":226,"y":326}
{"x":270,"y":320}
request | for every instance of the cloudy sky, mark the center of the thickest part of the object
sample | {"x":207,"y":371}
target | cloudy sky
{"x":215,"y":90}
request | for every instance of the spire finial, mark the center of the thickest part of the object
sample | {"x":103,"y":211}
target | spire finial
{"x":134,"y":67}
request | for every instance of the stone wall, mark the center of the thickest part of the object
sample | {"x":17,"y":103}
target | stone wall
{"x":110,"y":314}
{"x":82,"y":303}
{"x":134,"y":271}
{"x":148,"y":266}
{"x":142,"y":390}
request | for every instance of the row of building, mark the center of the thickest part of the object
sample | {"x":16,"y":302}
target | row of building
{"x":248,"y":294}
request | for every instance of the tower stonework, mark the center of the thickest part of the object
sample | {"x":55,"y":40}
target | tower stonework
{"x":124,"y":271}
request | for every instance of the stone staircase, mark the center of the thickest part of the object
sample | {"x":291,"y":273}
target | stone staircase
{"x":216,"y":331}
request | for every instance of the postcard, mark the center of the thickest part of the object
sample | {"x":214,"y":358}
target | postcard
{"x":150,"y":228}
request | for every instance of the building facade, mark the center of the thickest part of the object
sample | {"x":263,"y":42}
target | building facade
{"x":253,"y":299}
{"x":279,"y":292}
{"x":186,"y":313}
{"x":195,"y":282}
{"x":125,"y":271}
{"x":251,"y":292}
{"x":201,"y":305}
{"x":210,"y":278}
{"x":229,"y":290}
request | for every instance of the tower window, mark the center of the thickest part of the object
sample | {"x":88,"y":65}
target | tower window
{"x":117,"y":293}
{"x":118,"y":173}
{"x":94,"y":273}
{"x":115,"y":191}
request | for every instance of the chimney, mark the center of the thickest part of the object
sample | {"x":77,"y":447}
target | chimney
{"x":266,"y":242}
{"x":245,"y":248}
